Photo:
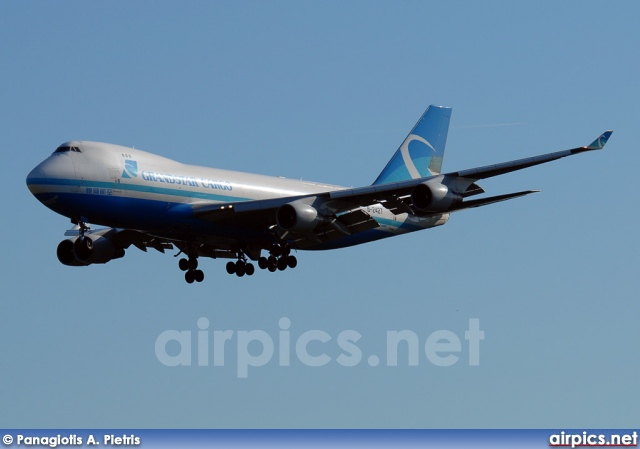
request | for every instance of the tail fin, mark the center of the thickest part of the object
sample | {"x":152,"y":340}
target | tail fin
{"x":421,"y":153}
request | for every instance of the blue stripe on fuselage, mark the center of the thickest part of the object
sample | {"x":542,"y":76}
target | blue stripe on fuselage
{"x":134,"y":188}
{"x":168,"y":218}
{"x":405,"y":226}
{"x":401,"y":227}
{"x":161,"y":218}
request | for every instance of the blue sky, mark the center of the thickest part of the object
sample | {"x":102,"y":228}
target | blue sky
{"x":327,"y":91}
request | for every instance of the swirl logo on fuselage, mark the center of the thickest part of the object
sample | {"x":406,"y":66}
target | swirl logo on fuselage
{"x":130,"y":169}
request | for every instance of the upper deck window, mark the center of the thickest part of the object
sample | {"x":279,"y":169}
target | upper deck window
{"x":64,"y":149}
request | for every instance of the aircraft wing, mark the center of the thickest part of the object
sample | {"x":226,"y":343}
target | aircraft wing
{"x":342,"y":208}
{"x":261,"y":214}
{"x":464,"y":180}
{"x":124,"y":238}
{"x":506,"y":167}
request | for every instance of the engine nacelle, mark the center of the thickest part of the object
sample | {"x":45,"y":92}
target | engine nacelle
{"x":88,"y":249}
{"x":297,"y":217}
{"x":433,"y":197}
{"x":66,"y":256}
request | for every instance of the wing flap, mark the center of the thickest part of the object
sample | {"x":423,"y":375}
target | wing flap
{"x":126,"y":237}
{"x":397,"y":205}
{"x":357,"y":221}
{"x":351,"y":222}
{"x":490,"y":200}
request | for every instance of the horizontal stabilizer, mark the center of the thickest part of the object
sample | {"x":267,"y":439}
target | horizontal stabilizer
{"x":490,"y":200}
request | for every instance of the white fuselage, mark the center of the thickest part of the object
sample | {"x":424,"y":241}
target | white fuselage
{"x":128,"y":188}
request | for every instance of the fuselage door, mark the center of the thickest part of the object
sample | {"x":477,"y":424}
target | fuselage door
{"x":114,"y":175}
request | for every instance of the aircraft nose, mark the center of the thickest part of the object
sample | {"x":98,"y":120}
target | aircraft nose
{"x":35,"y":177}
{"x":49,"y":175}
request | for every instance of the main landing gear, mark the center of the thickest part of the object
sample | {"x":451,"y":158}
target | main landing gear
{"x":280,"y":258}
{"x":241,"y":267}
{"x":190,"y":267}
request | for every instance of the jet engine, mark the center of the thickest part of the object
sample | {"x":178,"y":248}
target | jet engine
{"x":298,"y":217}
{"x":66,"y":255}
{"x":88,"y":249}
{"x":433,"y":197}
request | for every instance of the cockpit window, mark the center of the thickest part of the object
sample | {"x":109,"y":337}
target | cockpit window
{"x":64,"y":149}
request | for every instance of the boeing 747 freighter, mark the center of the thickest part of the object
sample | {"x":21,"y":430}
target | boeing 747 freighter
{"x":149,"y":201}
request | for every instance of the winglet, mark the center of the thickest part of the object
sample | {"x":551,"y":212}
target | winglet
{"x":600,"y":142}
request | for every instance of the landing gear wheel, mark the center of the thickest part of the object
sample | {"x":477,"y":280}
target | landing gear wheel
{"x":189,"y":277}
{"x":292,"y":262}
{"x":240,"y":268}
{"x":249,"y":269}
{"x":198,"y":275}
{"x":282,"y":263}
{"x":272,"y":263}
{"x":231,"y":267}
{"x":263,"y":262}
{"x":183,"y":264}
{"x":193,"y":263}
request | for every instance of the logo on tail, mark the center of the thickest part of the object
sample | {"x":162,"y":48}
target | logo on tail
{"x":422,"y":152}
{"x":406,"y":157}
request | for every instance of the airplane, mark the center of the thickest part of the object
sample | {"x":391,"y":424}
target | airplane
{"x":149,"y":201}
